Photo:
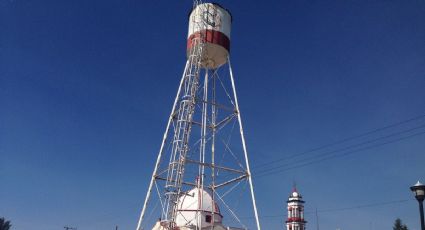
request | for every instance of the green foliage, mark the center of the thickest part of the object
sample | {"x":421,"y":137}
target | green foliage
{"x":398,"y":225}
{"x":4,"y":225}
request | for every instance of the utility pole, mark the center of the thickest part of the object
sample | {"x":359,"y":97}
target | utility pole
{"x":116,"y":227}
{"x":317,"y":220}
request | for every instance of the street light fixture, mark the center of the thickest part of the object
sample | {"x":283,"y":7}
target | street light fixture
{"x":419,"y":190}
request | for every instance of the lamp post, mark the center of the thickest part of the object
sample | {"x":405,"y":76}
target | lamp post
{"x":419,"y":190}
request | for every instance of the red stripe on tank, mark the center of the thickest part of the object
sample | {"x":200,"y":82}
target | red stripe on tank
{"x":210,"y":36}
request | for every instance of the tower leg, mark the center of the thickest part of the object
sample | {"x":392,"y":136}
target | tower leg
{"x":244,"y":147}
{"x":164,"y":139}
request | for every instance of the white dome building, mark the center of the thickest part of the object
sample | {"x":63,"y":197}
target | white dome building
{"x":196,"y":210}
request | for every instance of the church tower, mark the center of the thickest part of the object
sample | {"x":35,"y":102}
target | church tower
{"x":295,"y":219}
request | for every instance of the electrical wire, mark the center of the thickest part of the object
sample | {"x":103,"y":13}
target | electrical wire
{"x":340,"y":141}
{"x":370,"y":205}
{"x":341,"y":155}
{"x":347,"y":148}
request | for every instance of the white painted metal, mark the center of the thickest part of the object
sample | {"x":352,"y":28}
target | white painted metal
{"x":203,"y":153}
{"x":216,"y":18}
{"x":213,"y":124}
{"x":161,"y":149}
{"x":244,"y":148}
{"x":211,"y":20}
{"x":182,"y":131}
{"x":185,"y":204}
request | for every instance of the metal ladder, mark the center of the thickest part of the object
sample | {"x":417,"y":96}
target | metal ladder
{"x":182,"y":130}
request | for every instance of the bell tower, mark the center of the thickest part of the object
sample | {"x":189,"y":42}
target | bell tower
{"x":295,"y":220}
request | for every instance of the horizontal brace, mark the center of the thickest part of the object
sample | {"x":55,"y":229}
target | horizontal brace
{"x":231,"y":116}
{"x":185,"y":183}
{"x":215,"y":166}
{"x":220,"y":106}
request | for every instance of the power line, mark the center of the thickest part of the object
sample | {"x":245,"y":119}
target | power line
{"x":344,"y":149}
{"x":341,"y":141}
{"x":364,"y":206}
{"x":282,"y":169}
{"x":370,"y":205}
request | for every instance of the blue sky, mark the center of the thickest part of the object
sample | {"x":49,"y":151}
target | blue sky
{"x":86,"y":88}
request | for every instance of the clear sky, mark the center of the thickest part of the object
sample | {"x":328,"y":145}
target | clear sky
{"x":86,"y":88}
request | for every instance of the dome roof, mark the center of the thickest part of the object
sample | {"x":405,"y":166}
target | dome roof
{"x":295,"y":194}
{"x":197,"y":199}
{"x":197,"y":208}
{"x":418,"y":184}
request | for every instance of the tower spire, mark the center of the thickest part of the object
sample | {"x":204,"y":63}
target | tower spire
{"x":294,"y":186}
{"x":295,"y":206}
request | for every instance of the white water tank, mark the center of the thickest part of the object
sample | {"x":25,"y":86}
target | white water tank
{"x":211,"y":23}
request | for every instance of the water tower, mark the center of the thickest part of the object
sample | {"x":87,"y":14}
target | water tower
{"x":202,"y":179}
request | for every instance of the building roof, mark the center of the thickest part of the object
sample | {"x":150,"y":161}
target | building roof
{"x":197,"y":199}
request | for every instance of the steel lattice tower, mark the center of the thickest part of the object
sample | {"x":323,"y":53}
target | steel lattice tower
{"x":197,"y":151}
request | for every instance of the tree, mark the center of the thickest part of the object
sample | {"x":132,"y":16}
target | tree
{"x":4,"y":225}
{"x":398,"y":225}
